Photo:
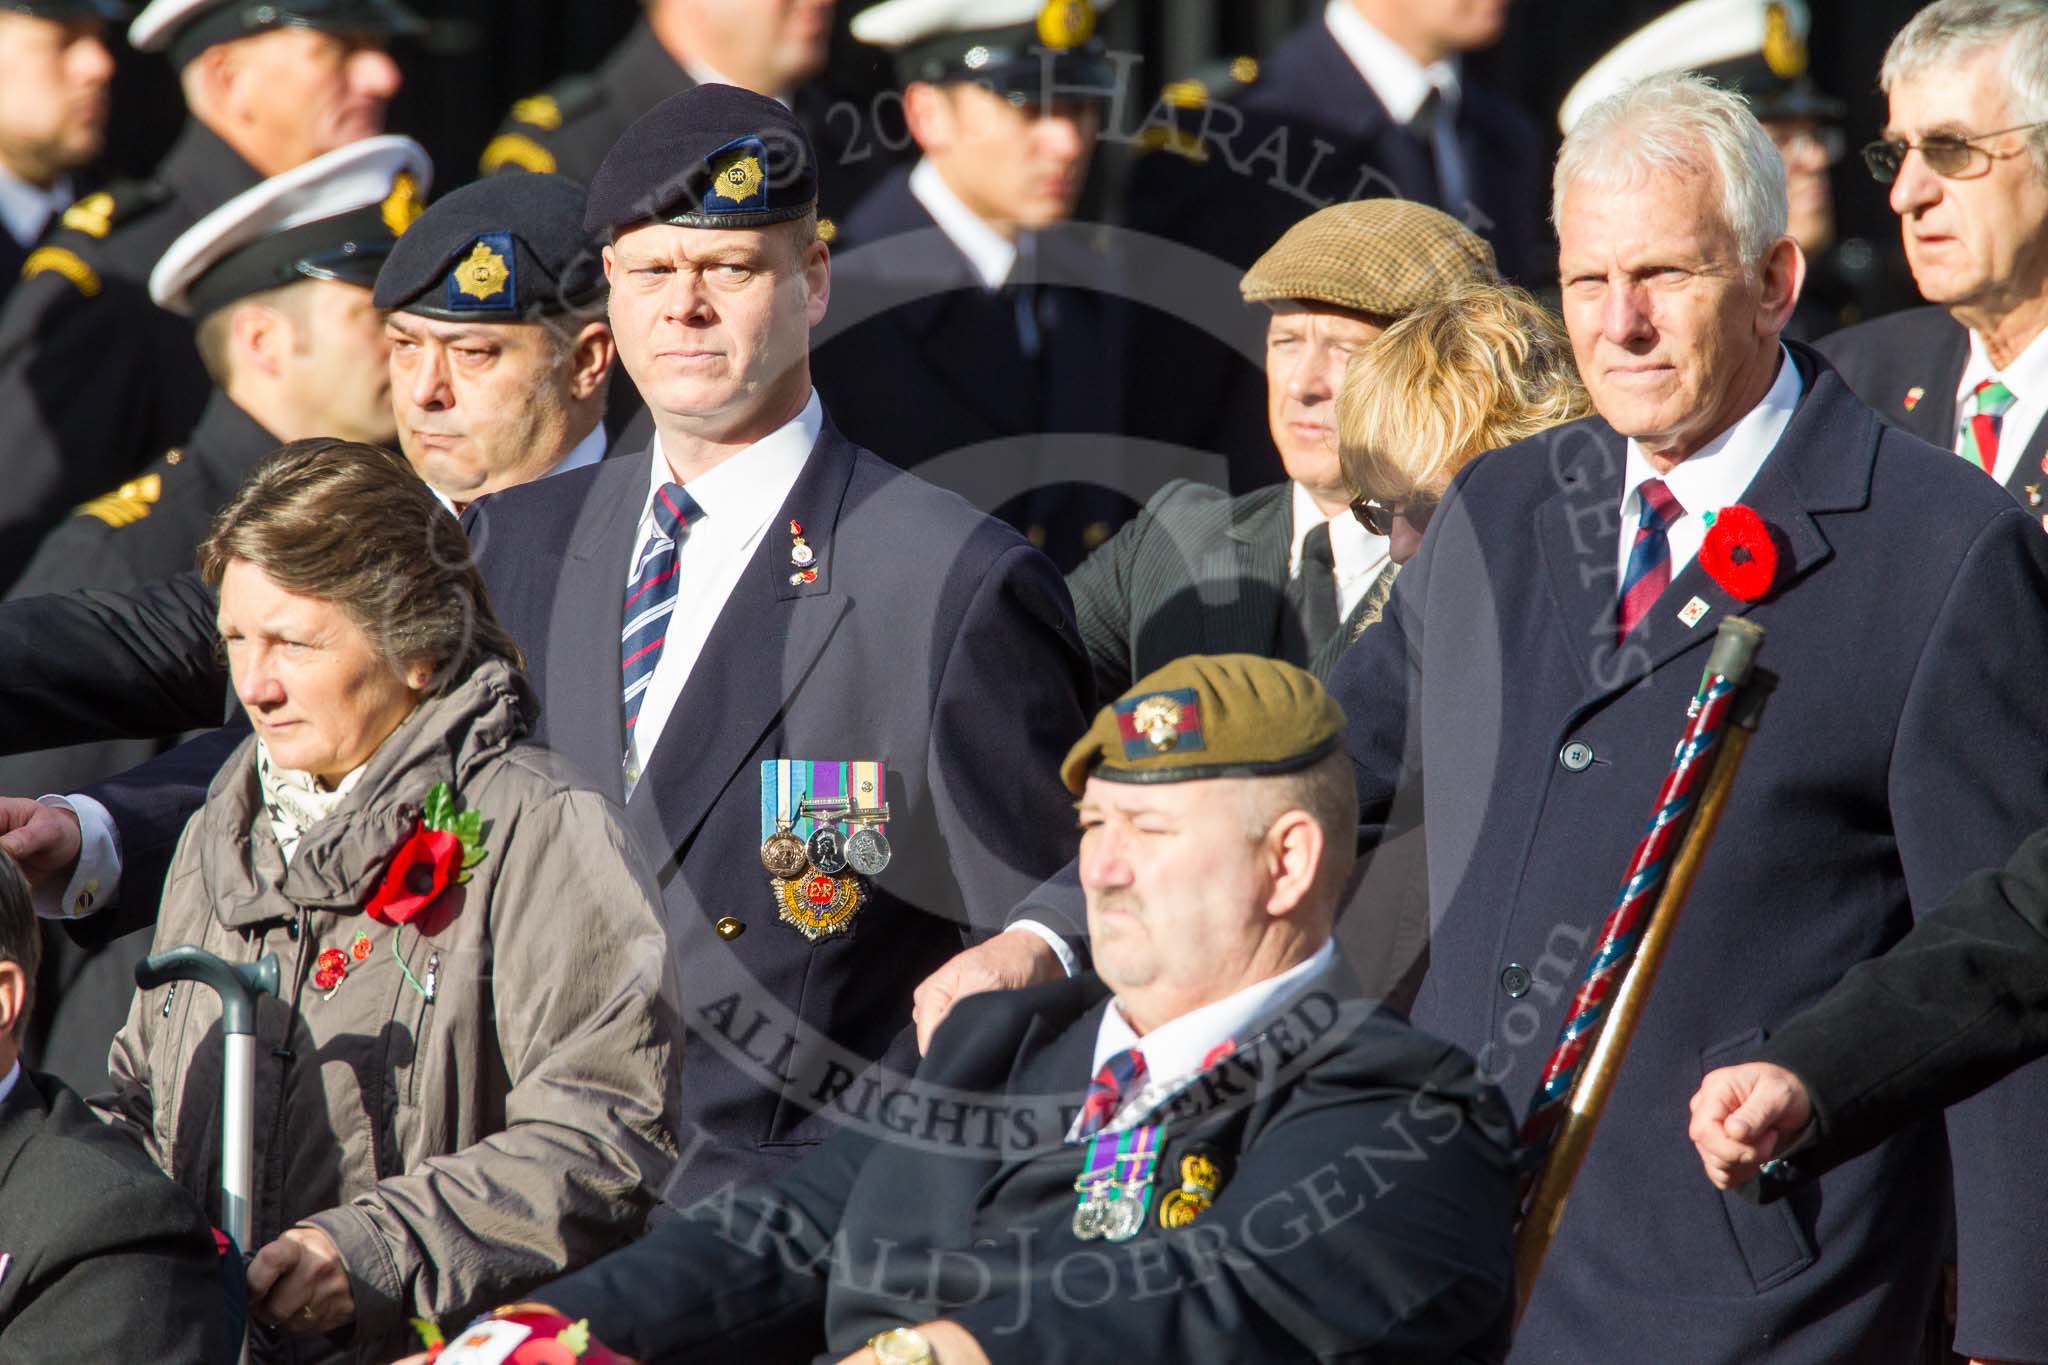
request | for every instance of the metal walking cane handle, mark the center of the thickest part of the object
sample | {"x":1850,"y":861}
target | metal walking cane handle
{"x":238,"y":985}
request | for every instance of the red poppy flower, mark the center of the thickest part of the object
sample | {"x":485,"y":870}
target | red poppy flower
{"x":360,"y":948}
{"x":420,"y":871}
{"x":330,"y":968}
{"x":1740,"y":554}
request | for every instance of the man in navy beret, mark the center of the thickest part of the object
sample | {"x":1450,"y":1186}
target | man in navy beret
{"x":831,"y":696}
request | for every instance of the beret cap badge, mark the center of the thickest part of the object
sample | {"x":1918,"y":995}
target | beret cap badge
{"x":737,"y":176}
{"x":484,"y":274}
{"x":1157,"y":718}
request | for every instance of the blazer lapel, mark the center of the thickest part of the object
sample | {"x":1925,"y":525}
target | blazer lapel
{"x":1932,"y":415}
{"x":761,"y":650}
{"x":2028,"y":482}
{"x":1252,"y":564}
{"x":588,"y":615}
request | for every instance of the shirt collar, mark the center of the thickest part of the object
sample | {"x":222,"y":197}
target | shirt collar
{"x":1355,"y":550}
{"x":1174,"y":1050}
{"x":2027,"y":376}
{"x":25,"y":209}
{"x":990,"y":253}
{"x":705,"y":74}
{"x":740,"y":493}
{"x":1718,"y":473}
{"x":1401,"y":82}
{"x":7,"y":1081}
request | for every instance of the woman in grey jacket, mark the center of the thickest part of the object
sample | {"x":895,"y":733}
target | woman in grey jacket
{"x":462,"y":1091}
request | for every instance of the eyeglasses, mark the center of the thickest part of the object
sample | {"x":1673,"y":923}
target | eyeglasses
{"x":1945,"y":153}
{"x":1379,"y":517}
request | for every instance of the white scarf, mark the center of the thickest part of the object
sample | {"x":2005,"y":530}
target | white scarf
{"x":295,"y":801}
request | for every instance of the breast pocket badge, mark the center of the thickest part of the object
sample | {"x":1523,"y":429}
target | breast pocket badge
{"x":824,"y":833}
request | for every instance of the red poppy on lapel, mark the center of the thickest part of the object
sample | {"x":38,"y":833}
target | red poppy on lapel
{"x":420,"y":871}
{"x":1913,"y":397}
{"x":1740,"y":553}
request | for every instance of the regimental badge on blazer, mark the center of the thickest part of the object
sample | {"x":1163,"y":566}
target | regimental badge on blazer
{"x":824,"y":833}
{"x":1202,"y":1175}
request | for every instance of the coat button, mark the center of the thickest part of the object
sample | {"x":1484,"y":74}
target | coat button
{"x":729,"y":928}
{"x":1576,"y":756}
{"x":1515,"y":980}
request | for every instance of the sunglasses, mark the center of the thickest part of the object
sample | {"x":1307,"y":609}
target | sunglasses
{"x":1379,"y":517}
{"x":1946,"y":154}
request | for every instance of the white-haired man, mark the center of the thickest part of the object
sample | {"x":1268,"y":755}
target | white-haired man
{"x":1965,"y":153}
{"x":1534,"y":667}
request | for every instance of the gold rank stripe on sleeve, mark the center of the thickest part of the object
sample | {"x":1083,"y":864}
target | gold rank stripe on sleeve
{"x":542,"y":111}
{"x":92,"y":215}
{"x":127,"y":504}
{"x":62,"y":261}
{"x":515,"y":149}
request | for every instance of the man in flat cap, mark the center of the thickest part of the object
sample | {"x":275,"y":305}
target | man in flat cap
{"x":971,"y":337}
{"x":96,"y":378}
{"x":772,"y":47}
{"x":1209,"y":1145}
{"x":55,"y":74}
{"x":500,"y":354}
{"x":785,"y":656}
{"x":277,"y":282}
{"x":1965,"y":155}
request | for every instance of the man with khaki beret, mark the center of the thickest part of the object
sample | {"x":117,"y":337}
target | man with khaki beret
{"x":1209,"y":1145}
{"x":1283,"y":571}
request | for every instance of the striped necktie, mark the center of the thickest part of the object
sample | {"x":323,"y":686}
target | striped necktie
{"x":1983,"y":415}
{"x":1118,"y":1080}
{"x":1649,"y":560}
{"x":651,"y":597}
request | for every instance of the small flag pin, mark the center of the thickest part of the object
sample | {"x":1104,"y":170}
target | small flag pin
{"x":1693,"y":612}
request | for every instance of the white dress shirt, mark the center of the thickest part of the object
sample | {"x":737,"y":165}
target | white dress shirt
{"x":991,"y":254}
{"x":1358,"y":554}
{"x":25,"y":209}
{"x":1714,"y":477}
{"x":1174,"y":1051}
{"x":2027,"y":377}
{"x":739,"y":498}
{"x":1402,"y":84}
{"x":97,"y":879}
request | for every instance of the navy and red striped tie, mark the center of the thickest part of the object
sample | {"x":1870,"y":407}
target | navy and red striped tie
{"x":651,"y":597}
{"x":1118,"y":1080}
{"x":1649,"y":560}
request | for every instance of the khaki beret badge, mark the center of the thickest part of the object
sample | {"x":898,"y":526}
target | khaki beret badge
{"x":1160,"y":723}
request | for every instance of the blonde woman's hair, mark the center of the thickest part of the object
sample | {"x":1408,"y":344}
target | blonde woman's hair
{"x":1483,"y":369}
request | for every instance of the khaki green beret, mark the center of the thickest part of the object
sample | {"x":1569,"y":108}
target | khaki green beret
{"x":1209,"y":715}
{"x":1385,"y":257}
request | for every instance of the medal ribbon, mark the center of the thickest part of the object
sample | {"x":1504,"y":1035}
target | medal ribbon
{"x":1134,"y":1151}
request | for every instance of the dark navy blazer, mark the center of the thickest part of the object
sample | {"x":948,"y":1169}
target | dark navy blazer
{"x":1363,"y":1212}
{"x":1906,"y":746}
{"x":934,"y":640}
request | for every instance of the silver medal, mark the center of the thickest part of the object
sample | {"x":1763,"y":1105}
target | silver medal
{"x":1125,"y":1216}
{"x":826,"y":848}
{"x":867,"y":851}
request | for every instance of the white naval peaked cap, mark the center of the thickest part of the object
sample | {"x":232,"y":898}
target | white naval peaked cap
{"x":1695,"y":36}
{"x":895,"y":24}
{"x":335,"y":217}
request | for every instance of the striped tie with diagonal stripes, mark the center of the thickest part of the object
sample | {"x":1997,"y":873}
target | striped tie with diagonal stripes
{"x":1983,"y":416}
{"x":651,"y":597}
{"x":1649,"y":559}
{"x":1115,"y":1083}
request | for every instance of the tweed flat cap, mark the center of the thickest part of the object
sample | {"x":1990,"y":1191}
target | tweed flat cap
{"x":507,"y":248}
{"x":1209,"y":715}
{"x":1384,"y":257}
{"x":713,"y":156}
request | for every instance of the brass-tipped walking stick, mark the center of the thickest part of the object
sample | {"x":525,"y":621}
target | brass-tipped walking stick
{"x":1582,"y":1067}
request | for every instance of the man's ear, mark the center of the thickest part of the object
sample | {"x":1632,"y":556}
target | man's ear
{"x":13,"y":1006}
{"x":817,"y":272}
{"x":1783,"y":275}
{"x":260,"y":337}
{"x":929,"y":113}
{"x":591,"y":359}
{"x":1294,"y":846}
{"x":609,"y":263}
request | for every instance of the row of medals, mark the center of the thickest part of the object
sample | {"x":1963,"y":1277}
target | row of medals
{"x":1113,"y":1210}
{"x":864,"y":849}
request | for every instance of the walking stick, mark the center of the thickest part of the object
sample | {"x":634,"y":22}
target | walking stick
{"x":238,"y":988}
{"x":1603,"y":1018}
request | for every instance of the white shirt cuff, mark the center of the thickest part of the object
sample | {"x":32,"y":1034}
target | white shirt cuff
{"x":97,"y":879}
{"x":1031,"y":926}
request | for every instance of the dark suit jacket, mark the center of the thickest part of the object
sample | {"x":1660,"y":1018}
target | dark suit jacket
{"x":1364,"y":1214}
{"x":1952,"y":1007}
{"x":1886,"y":359}
{"x":1200,"y":572}
{"x":96,"y":380}
{"x":106,"y":1259}
{"x":1903,"y":749}
{"x":934,"y":639}
{"x":920,"y":361}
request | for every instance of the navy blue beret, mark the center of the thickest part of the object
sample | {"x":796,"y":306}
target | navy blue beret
{"x":507,"y":248}
{"x":714,"y":156}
